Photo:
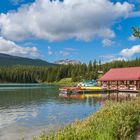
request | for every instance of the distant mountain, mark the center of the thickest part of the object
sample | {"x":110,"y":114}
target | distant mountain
{"x":9,"y":60}
{"x":67,"y":61}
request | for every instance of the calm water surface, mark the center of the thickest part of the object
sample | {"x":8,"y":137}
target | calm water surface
{"x":27,"y":110}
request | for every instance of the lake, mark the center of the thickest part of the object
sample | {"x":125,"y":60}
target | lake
{"x":26,"y":110}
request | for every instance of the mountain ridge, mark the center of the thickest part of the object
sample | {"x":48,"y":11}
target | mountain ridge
{"x":67,"y":61}
{"x":10,"y":60}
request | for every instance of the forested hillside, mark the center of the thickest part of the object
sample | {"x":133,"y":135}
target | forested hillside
{"x":34,"y":74}
{"x":9,"y":60}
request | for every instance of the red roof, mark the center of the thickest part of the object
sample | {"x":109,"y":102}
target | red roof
{"x":122,"y":74}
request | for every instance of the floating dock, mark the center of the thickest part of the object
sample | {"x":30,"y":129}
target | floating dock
{"x":77,"y":92}
{"x":84,"y":91}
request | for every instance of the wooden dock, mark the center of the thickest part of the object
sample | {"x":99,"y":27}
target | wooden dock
{"x":129,"y":91}
{"x":84,"y":91}
{"x":110,"y":94}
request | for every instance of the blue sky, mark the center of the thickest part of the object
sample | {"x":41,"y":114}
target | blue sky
{"x":73,"y":29}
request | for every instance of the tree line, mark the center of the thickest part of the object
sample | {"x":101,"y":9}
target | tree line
{"x":36,"y":74}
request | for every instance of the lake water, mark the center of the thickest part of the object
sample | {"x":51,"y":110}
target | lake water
{"x":28,"y":110}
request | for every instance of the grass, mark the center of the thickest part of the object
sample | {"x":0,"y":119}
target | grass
{"x":64,"y":82}
{"x":114,"y":121}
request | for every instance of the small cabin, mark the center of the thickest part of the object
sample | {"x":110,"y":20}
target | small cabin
{"x":121,"y":79}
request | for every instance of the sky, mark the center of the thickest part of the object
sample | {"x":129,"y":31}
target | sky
{"x":70,"y":29}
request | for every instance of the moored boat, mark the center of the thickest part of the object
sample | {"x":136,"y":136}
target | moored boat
{"x":90,"y":85}
{"x":87,"y":87}
{"x":95,"y":88}
{"x":69,"y":90}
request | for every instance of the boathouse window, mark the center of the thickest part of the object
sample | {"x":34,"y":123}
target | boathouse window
{"x":131,"y":82}
{"x":125,"y":79}
{"x":122,"y":82}
{"x":113,"y":82}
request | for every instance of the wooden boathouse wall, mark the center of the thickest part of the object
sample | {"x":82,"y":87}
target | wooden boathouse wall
{"x":121,"y":79}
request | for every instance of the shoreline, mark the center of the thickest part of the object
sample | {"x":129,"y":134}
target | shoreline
{"x":113,"y":120}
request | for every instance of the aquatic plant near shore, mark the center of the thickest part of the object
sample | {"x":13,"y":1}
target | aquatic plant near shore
{"x":114,"y":121}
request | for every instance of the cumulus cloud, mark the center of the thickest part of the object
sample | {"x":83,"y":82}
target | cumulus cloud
{"x":112,"y":57}
{"x":130,"y":52}
{"x":64,"y":53}
{"x":10,"y":47}
{"x":68,"y":52}
{"x":55,"y":21}
{"x":125,"y":54}
{"x":107,"y":42}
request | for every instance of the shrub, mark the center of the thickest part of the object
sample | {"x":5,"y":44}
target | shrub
{"x":114,"y":121}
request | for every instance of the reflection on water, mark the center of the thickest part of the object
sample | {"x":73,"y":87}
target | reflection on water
{"x":26,"y":110}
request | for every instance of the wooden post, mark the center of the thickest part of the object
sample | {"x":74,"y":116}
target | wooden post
{"x":128,"y":85}
{"x":117,"y":95}
{"x":136,"y":85}
{"x":101,"y":83}
{"x":109,"y":94}
{"x":109,"y":84}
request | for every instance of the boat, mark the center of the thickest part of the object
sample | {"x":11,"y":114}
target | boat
{"x":69,"y":90}
{"x":91,"y":88}
{"x":90,"y":85}
{"x":84,"y":89}
{"x":82,"y":96}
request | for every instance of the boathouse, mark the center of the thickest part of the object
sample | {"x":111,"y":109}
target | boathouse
{"x":121,"y":79}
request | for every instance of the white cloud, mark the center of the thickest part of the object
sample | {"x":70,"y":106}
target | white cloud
{"x":108,"y":56}
{"x":9,"y":47}
{"x":55,"y":21}
{"x":68,"y":52}
{"x":107,"y":42}
{"x":50,"y":52}
{"x":132,"y":38}
{"x":130,"y":52}
{"x":125,"y":54}
{"x":64,"y":53}
{"x":112,"y":57}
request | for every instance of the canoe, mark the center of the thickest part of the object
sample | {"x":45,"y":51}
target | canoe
{"x":91,"y":88}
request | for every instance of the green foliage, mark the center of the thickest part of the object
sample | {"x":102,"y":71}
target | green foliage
{"x":65,"y":81}
{"x":120,"y":64}
{"x":50,"y":74}
{"x":115,"y":121}
{"x":136,"y":32}
{"x":9,"y":60}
